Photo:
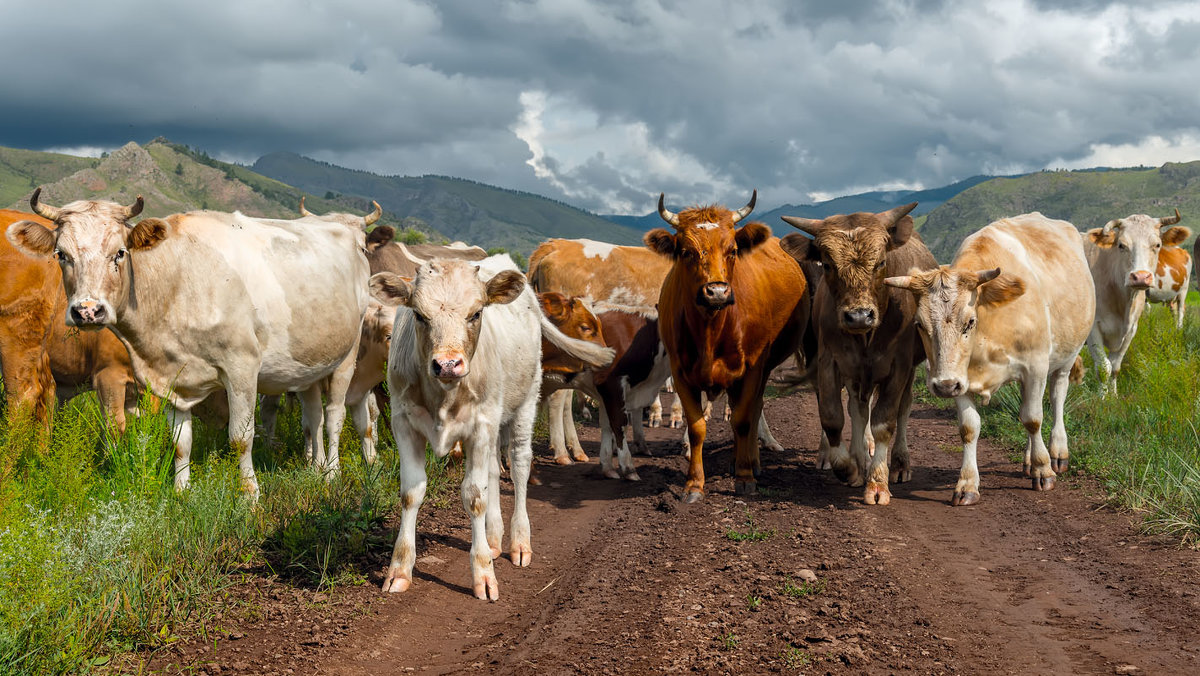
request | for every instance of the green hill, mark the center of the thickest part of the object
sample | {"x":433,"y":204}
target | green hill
{"x":1088,"y":199}
{"x":171,"y":177}
{"x":473,"y":212}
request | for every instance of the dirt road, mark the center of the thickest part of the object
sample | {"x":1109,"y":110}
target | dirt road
{"x":626,"y":579}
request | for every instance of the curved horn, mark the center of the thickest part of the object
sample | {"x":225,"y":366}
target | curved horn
{"x":745,"y":211}
{"x":1108,"y":227}
{"x":44,"y":210}
{"x":374,"y":215}
{"x":1169,"y":220}
{"x":303,"y":211}
{"x":666,"y":214}
{"x":899,"y":212}
{"x":810,"y":225}
{"x":135,"y":208}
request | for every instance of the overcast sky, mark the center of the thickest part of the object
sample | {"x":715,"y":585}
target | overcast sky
{"x":605,"y":104}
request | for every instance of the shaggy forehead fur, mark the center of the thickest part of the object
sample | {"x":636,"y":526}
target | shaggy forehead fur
{"x":854,"y":245}
{"x":445,"y":285}
{"x":944,"y":292}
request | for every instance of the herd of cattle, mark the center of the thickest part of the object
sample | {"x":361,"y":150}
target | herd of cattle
{"x":216,"y":309}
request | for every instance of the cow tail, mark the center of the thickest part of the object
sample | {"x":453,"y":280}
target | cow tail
{"x":590,"y":353}
{"x":1077,"y":371}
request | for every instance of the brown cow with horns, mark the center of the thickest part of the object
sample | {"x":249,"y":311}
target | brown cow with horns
{"x":732,"y":307}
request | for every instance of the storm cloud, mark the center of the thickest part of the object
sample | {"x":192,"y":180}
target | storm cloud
{"x":605,"y":104}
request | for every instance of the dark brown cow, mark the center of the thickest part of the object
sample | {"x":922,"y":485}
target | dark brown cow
{"x":867,"y":341}
{"x":40,"y":355}
{"x":732,"y":307}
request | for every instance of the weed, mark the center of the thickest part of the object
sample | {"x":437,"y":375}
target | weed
{"x":753,"y":602}
{"x":729,"y":641}
{"x":803,"y":589}
{"x":751,"y":533}
{"x":794,"y":658}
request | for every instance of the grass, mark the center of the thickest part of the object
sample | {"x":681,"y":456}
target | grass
{"x":753,"y":603}
{"x":99,"y":555}
{"x":729,"y":641}
{"x":750,"y":532}
{"x":803,"y":589}
{"x":794,"y":658}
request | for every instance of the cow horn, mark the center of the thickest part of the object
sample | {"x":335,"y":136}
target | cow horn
{"x":44,"y":210}
{"x":135,"y":208}
{"x":745,"y":211}
{"x":899,"y":212}
{"x":374,"y":215}
{"x":985,"y":276}
{"x":810,"y":225}
{"x":1108,"y":227}
{"x":303,"y":211}
{"x":1170,"y":220}
{"x":667,"y":215}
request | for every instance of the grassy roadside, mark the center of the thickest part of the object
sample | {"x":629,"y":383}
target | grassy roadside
{"x":99,"y":555}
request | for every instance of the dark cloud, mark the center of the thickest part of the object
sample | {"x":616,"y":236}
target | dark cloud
{"x":605,"y":104}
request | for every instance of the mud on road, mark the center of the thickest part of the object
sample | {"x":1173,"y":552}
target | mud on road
{"x":626,"y":579}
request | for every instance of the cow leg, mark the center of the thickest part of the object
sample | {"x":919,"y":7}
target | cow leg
{"x":764,"y":435}
{"x":181,"y":433}
{"x":1033,"y":388}
{"x":364,"y":414}
{"x":832,"y":453}
{"x":861,"y":441}
{"x":618,"y":419}
{"x":747,"y":415}
{"x":966,"y":491}
{"x":479,"y":451}
{"x":634,"y":418}
{"x":241,"y":432}
{"x":109,"y":384}
{"x":689,"y":398}
{"x":410,"y":450}
{"x":885,"y":414}
{"x":608,"y":436}
{"x":676,"y":413}
{"x":570,"y":430}
{"x":1059,"y":381}
{"x":1181,"y":306}
{"x":520,"y":549}
{"x":656,"y":409}
{"x":899,"y":469}
{"x":335,"y":409}
{"x":268,"y":408}
{"x":312,"y":420}
{"x":558,"y":413}
{"x":28,"y":381}
{"x":493,"y":521}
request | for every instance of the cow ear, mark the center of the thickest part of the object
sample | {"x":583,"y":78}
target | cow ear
{"x":750,"y":235}
{"x":1102,"y":239}
{"x":32,"y":239}
{"x":661,"y":241}
{"x":554,"y":305}
{"x":1005,"y":288}
{"x":147,"y":234}
{"x":505,"y":287}
{"x":1175,"y":236}
{"x":801,"y":247}
{"x":390,"y":288}
{"x":900,"y":231}
{"x":381,"y":235}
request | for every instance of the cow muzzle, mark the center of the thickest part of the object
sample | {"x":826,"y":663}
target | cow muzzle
{"x":715,"y":295}
{"x":860,"y":319}
{"x":88,"y":314}
{"x":947,"y":387}
{"x":1139,"y":279}
{"x":448,"y":367}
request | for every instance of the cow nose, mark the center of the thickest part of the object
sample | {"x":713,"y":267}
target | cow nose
{"x":88,"y":313}
{"x":947,"y":387}
{"x":859,"y":318}
{"x":716,"y":293}
{"x":1140,"y":279}
{"x":448,"y":367}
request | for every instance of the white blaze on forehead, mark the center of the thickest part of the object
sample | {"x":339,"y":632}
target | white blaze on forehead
{"x":594,"y":249}
{"x":706,"y":226}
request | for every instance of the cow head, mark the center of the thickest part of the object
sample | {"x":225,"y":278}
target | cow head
{"x":1137,"y":240}
{"x":706,"y":245}
{"x":853,"y":254}
{"x":92,"y":243}
{"x":350,"y":220}
{"x":573,"y":317}
{"x":447,"y":300}
{"x":948,"y":305}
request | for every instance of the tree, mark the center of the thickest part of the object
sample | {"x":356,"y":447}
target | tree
{"x":179,"y":168}
{"x":329,"y":194}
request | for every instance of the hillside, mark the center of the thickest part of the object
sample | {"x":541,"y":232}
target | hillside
{"x":1088,"y":199}
{"x":462,"y":209}
{"x":172,"y":178}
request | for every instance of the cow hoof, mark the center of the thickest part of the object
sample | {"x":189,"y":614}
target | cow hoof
{"x":495,"y":552}
{"x":633,"y":476}
{"x":824,"y":465}
{"x":580,"y":456}
{"x":563,"y":459}
{"x":1059,"y":465}
{"x":395,"y":584}
{"x":964,"y":498}
{"x":534,"y":480}
{"x":692,"y":497}
{"x":610,"y":473}
{"x":521,"y":555}
{"x":1027,"y":469}
{"x":774,"y":446}
{"x":1045,"y":483}
{"x":486,"y":587}
{"x":900,"y":476}
{"x":876,"y":494}
{"x":745,"y":487}
{"x":655,"y":422}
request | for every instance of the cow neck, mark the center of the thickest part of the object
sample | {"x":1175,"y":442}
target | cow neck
{"x":144,"y":312}
{"x":709,"y":332}
{"x":1130,"y":304}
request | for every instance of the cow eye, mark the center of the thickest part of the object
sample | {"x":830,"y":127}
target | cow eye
{"x":585,"y":330}
{"x":120,"y":255}
{"x":420,"y":318}
{"x":58,"y":253}
{"x":1121,"y":246}
{"x":970,"y":325}
{"x":475,"y":317}
{"x":880,"y":264}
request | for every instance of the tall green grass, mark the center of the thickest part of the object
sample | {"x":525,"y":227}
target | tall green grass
{"x":100,"y":555}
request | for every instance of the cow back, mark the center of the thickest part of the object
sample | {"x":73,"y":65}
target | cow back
{"x":598,"y":271}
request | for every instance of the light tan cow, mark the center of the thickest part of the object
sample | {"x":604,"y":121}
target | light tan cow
{"x":1170,"y":285}
{"x":206,"y":301}
{"x":1122,"y":257}
{"x":1016,"y":304}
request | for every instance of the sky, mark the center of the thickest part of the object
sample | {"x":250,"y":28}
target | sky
{"x":604,"y":105}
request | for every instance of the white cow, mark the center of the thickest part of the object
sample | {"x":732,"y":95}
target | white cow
{"x":1123,"y":256}
{"x":464,"y":366}
{"x":206,"y":301}
{"x":1016,"y":304}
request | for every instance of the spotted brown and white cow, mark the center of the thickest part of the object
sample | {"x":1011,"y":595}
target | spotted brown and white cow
{"x":206,"y":301}
{"x":1017,"y":304}
{"x":1122,"y":257}
{"x":1172,"y":278}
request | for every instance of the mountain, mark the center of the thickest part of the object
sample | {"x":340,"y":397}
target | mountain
{"x":875,"y":201}
{"x":1086,"y":198}
{"x":473,"y":212}
{"x":171,"y":177}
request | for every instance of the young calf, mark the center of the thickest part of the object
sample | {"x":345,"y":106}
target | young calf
{"x":464,"y":365}
{"x":1016,"y":304}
